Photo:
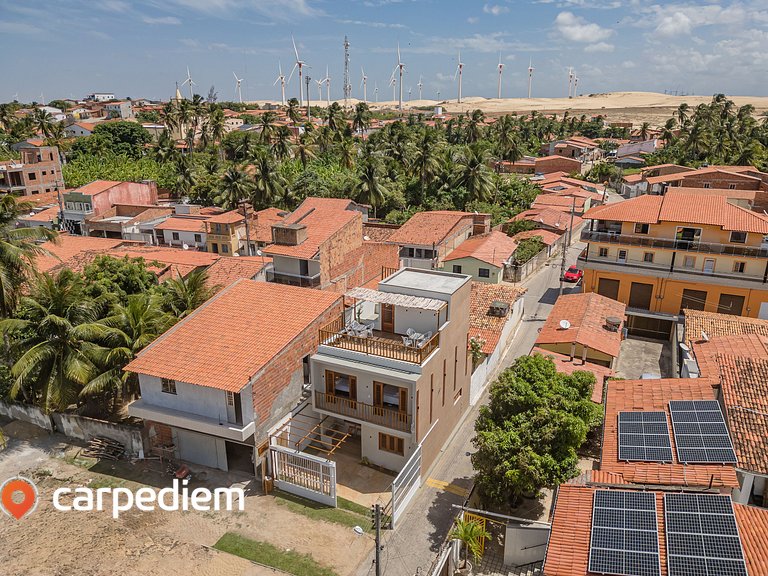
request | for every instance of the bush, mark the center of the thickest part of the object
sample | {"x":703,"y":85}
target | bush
{"x":528,"y":248}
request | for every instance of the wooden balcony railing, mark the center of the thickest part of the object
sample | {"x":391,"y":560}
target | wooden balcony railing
{"x":394,"y":419}
{"x":383,"y":345}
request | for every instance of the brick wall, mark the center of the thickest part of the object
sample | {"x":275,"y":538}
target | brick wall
{"x":720,"y":180}
{"x":334,"y":250}
{"x":557,"y":164}
{"x":363,"y":266}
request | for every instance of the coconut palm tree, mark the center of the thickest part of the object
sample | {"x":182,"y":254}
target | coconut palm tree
{"x":54,"y":336}
{"x":217,"y":129}
{"x":181,"y":296}
{"x":165,"y":151}
{"x":474,"y":126}
{"x":281,"y":143}
{"x":346,"y":151}
{"x":361,"y":119}
{"x":471,"y":534}
{"x":268,"y":183}
{"x":369,"y":188}
{"x":43,"y":121}
{"x":305,"y":149}
{"x":473,"y":173}
{"x":427,"y":160}
{"x":267,"y":124}
{"x":235,"y":187}
{"x":294,"y":112}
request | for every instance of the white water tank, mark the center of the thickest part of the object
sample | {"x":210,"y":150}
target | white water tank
{"x":438,"y":110}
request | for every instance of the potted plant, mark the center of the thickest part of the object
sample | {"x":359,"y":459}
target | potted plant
{"x":471,"y":535}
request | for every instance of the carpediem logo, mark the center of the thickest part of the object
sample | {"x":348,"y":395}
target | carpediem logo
{"x":19,"y":497}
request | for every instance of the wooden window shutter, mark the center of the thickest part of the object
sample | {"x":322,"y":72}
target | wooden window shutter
{"x":378,"y":394}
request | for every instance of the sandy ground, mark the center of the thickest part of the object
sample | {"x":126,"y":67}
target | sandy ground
{"x":617,"y":106}
{"x":49,"y":542}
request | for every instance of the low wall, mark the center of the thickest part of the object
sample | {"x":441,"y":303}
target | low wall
{"x":86,"y":428}
{"x":26,"y":413}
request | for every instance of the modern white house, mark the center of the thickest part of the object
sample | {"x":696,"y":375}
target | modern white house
{"x":180,"y":231}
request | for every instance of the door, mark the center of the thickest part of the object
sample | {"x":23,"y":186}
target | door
{"x":693,"y":300}
{"x":609,"y":288}
{"x":709,"y":266}
{"x":304,"y":267}
{"x":403,"y":405}
{"x":730,"y":304}
{"x":622,"y":257}
{"x":387,"y":318}
{"x":640,"y":295}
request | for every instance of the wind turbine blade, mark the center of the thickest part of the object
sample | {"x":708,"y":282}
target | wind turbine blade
{"x":277,"y":80}
{"x":292,"y":71}
{"x":280,"y":67}
{"x":398,"y":53}
{"x":294,"y":48}
{"x":236,"y":78}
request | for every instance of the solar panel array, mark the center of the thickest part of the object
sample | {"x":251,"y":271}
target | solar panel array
{"x":702,"y":536}
{"x":701,"y":435}
{"x":644,"y":436}
{"x":625,"y":536}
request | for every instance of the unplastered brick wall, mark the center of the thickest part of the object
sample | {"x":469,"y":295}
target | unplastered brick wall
{"x":720,"y":180}
{"x":363,"y":266}
{"x":335,"y":249}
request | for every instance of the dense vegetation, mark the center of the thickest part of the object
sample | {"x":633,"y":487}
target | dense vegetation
{"x":528,"y":434}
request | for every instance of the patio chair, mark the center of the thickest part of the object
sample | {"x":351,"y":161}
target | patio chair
{"x":424,"y":339}
{"x":407,"y":342}
{"x":411,"y":332}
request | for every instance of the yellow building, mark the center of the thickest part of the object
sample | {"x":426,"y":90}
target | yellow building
{"x":225,"y":233}
{"x":663,"y":254}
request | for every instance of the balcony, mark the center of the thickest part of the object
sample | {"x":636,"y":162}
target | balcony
{"x":293,"y":279}
{"x":384,"y":344}
{"x":388,"y":417}
{"x":672,"y":244}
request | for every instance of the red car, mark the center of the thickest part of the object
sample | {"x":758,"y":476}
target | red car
{"x":573,"y":274}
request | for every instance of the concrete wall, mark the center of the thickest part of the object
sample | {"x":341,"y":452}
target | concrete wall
{"x":185,"y":237}
{"x":472,"y":267}
{"x":370,"y":447}
{"x":26,"y":413}
{"x":200,"y":448}
{"x":84,"y":428}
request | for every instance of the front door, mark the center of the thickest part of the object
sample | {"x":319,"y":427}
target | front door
{"x":709,"y":265}
{"x":387,"y":318}
{"x":622,"y":257}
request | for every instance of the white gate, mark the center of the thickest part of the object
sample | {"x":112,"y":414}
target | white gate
{"x":405,"y":485}
{"x":303,"y":474}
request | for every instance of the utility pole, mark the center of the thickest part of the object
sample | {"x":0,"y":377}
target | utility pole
{"x":347,"y":82}
{"x":309,"y":114}
{"x":376,"y":514}
{"x":244,"y":204}
{"x":567,"y":245}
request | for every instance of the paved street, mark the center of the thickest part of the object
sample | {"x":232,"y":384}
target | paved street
{"x":412,"y":547}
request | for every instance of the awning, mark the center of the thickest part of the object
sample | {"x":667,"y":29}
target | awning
{"x":396,"y":299}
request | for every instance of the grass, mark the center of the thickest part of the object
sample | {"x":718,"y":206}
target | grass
{"x":347,"y":514}
{"x":269,"y":555}
{"x":105,"y":482}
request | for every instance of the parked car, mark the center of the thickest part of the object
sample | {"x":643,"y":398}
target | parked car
{"x":573,"y":274}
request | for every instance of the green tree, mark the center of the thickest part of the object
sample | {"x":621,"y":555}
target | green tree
{"x":528,"y":248}
{"x":473,"y":173}
{"x":235,"y":187}
{"x":181,"y":296}
{"x":527,"y":436}
{"x":118,"y":278}
{"x":471,"y":535}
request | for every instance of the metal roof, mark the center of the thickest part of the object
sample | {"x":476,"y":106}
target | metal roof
{"x":396,"y":299}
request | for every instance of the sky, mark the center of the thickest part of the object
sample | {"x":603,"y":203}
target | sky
{"x":69,"y":48}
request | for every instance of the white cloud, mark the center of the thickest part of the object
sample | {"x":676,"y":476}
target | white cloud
{"x":273,"y":9}
{"x":473,"y":20}
{"x":577,"y":29}
{"x":681,"y":19}
{"x":166,"y":20}
{"x":599,"y":47}
{"x":675,"y":24}
{"x":370,"y":24}
{"x":495,"y":9}
{"x":18,"y":28}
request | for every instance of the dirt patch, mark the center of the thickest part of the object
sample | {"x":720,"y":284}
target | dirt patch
{"x":159,"y":543}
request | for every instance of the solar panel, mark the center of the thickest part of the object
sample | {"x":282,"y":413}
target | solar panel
{"x":702,"y":536}
{"x":644,"y":437}
{"x":701,"y":435}
{"x":625,"y":536}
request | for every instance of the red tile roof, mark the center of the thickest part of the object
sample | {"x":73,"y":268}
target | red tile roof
{"x":677,"y":176}
{"x":67,"y":248}
{"x":494,"y":248}
{"x":226,"y":271}
{"x":429,"y":228}
{"x":709,"y":210}
{"x":183,"y":224}
{"x":547,"y":236}
{"x":561,"y":202}
{"x":549,"y":217}
{"x":649,"y":395}
{"x":231,"y":217}
{"x":714,"y":324}
{"x":587,"y":313}
{"x":211,"y":346}
{"x":260,"y":224}
{"x":743,"y":345}
{"x":566,"y":365}
{"x":323,"y":218}
{"x":481,"y":324}
{"x":569,"y":540}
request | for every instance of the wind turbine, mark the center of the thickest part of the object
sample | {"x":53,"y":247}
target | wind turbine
{"x":300,"y":65}
{"x":409,"y":93}
{"x":364,"y":85}
{"x":575,"y":85}
{"x":376,"y":91}
{"x":190,"y":83}
{"x":401,"y":67}
{"x":280,"y":78}
{"x":420,"y":85}
{"x":571,"y":76}
{"x":530,"y":76}
{"x":239,"y":93}
{"x":393,"y":83}
{"x":459,"y":68}
{"x":320,"y":89}
{"x":327,"y":81}
{"x":501,"y":68}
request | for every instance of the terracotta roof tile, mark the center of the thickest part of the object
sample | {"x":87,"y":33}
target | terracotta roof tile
{"x":494,"y":248}
{"x":210,"y":347}
{"x":549,"y":217}
{"x":648,"y":395}
{"x":743,"y":345}
{"x":560,"y":202}
{"x":226,"y":271}
{"x":96,"y":187}
{"x":379,"y":232}
{"x":260,"y":224}
{"x":69,"y":247}
{"x":566,"y":365}
{"x":428,"y":228}
{"x":586,"y":313}
{"x":183,"y":224}
{"x":231,"y":217}
{"x":547,"y":236}
{"x":482,"y":324}
{"x":714,"y":324}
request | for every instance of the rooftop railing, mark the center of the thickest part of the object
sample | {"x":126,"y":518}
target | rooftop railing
{"x":674,"y":244}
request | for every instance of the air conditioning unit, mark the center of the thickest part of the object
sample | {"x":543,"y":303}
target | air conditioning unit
{"x":498,"y":308}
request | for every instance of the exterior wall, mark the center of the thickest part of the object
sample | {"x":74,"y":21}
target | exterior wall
{"x":592,"y":355}
{"x":667,"y":292}
{"x":226,"y":235}
{"x":122,"y":193}
{"x":369,"y":437}
{"x":185,"y":237}
{"x":559,"y":164}
{"x":472,"y":266}
{"x":721,"y":180}
{"x":454,"y":238}
{"x":200,"y":448}
{"x":334,"y":250}
{"x":38,"y":172}
{"x":75,"y":131}
{"x":288,"y":265}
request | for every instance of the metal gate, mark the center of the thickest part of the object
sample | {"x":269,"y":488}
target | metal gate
{"x":405,"y":485}
{"x":481,"y":520}
{"x":304,"y":474}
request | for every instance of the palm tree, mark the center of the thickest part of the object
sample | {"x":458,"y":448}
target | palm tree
{"x":474,"y":126}
{"x":682,"y":114}
{"x":217,"y":129}
{"x":267,"y":126}
{"x":235,"y":187}
{"x":644,"y":128}
{"x":132,"y":327}
{"x":471,"y":534}
{"x":7,"y":119}
{"x":18,"y":249}
{"x":335,"y":117}
{"x":55,"y":335}
{"x":185,"y":176}
{"x":361,"y":119}
{"x":281,"y":145}
{"x":43,"y":121}
{"x":305,"y":149}
{"x":166,"y":147}
{"x":294,"y":113}
{"x":427,"y":160}
{"x":181,"y":296}
{"x":473,"y":173}
{"x":268,"y":183}
{"x":369,"y":189}
{"x":347,"y":151}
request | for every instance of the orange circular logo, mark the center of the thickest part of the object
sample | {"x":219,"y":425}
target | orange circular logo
{"x":18,"y":497}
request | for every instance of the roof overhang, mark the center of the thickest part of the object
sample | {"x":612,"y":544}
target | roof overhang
{"x":403,"y":300}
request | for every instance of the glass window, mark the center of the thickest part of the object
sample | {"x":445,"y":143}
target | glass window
{"x":175,"y":235}
{"x":484,"y":272}
{"x":707,"y":185}
{"x":641,"y":228}
{"x":731,"y":186}
{"x":225,"y":249}
{"x":739,"y":237}
{"x":648,"y":257}
{"x":603,"y":253}
{"x":739,"y":267}
{"x":198,"y":237}
{"x":456,"y":269}
{"x":394,"y":444}
{"x":168,"y":386}
{"x":689,"y":262}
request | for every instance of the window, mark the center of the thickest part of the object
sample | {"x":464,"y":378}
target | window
{"x":45,"y":173}
{"x":707,"y":185}
{"x":175,"y":235}
{"x":70,"y":206}
{"x":198,"y":237}
{"x":32,"y":176}
{"x":738,"y":237}
{"x":230,"y":398}
{"x":603,"y":253}
{"x":168,"y":386}
{"x":218,"y":228}
{"x":641,"y":228}
{"x":445,"y":375}
{"x":457,"y":396}
{"x":393,"y":444}
{"x":693,"y":300}
{"x":739,"y":267}
{"x":215,"y":248}
{"x":648,"y":257}
{"x":305,"y":370}
{"x":640,"y":295}
{"x":79,"y":206}
{"x":731,"y":186}
{"x":225,"y":249}
{"x":389,"y":396}
{"x":608,"y":287}
{"x":87,"y":207}
{"x":730,"y":304}
{"x":456,"y":269}
{"x":340,"y":385}
{"x":689,"y":262}
{"x":484,"y":272}
{"x":431,"y":394}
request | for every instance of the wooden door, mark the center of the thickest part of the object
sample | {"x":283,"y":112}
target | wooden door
{"x":403,"y":404}
{"x":387,"y":318}
{"x":353,"y":392}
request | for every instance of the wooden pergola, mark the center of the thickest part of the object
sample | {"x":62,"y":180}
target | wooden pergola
{"x":312,"y":432}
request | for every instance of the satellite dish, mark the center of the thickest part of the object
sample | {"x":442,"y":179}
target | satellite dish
{"x":236,"y":254}
{"x":185,"y":246}
{"x":366,"y":238}
{"x":704,"y":336}
{"x":684,"y":347}
{"x":564,"y":324}
{"x":259,"y":253}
